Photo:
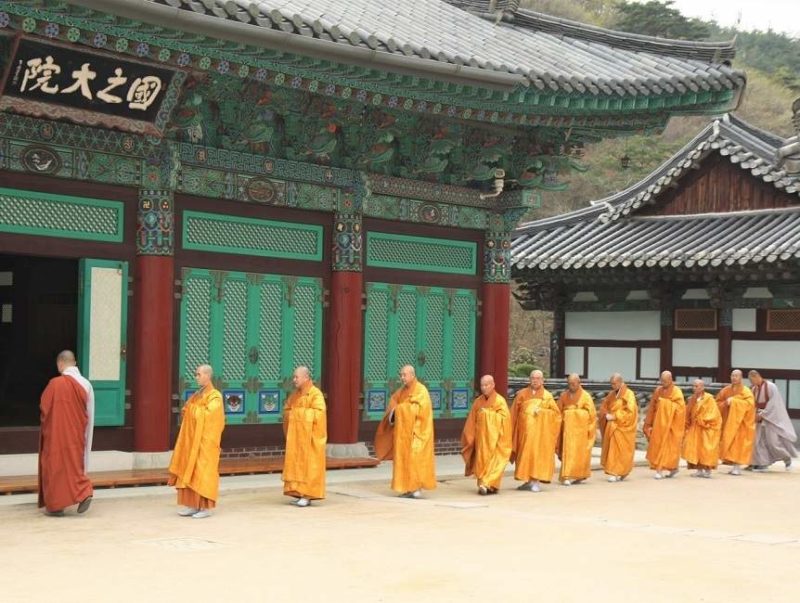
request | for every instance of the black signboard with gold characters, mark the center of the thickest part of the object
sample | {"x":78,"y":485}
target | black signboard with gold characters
{"x":77,"y":81}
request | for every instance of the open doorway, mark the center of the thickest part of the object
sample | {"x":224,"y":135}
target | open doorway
{"x":38,"y":319}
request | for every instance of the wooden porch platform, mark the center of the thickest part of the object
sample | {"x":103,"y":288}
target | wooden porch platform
{"x":20,"y":484}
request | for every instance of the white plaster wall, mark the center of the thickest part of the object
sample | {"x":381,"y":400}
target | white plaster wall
{"x":605,"y":361}
{"x":573,"y":360}
{"x":747,"y":355}
{"x":744,"y":319}
{"x":695,"y":352}
{"x":650,"y":366}
{"x":613,"y":326}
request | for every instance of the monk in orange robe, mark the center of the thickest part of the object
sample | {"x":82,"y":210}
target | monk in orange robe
{"x":578,"y":431}
{"x":738,"y":408}
{"x":63,"y":441}
{"x":305,"y":428}
{"x":486,"y":438}
{"x":536,"y":422}
{"x":703,"y":428}
{"x":194,"y":469}
{"x":619,"y":416}
{"x":405,"y":435}
{"x":664,"y":425}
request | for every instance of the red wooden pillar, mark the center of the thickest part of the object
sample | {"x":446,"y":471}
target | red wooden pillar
{"x":343,"y":370}
{"x":495,"y":324}
{"x":495,"y":314}
{"x":153,"y":323}
{"x":345,"y":340}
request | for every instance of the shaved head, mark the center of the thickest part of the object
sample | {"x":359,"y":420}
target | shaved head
{"x":736,"y":377}
{"x":616,"y":381}
{"x":573,"y":382}
{"x":301,"y":376}
{"x":487,"y":385}
{"x":699,"y":386}
{"x":64,"y":360}
{"x":407,"y":374}
{"x":67,"y":357}
{"x":666,"y":379}
{"x":203,"y":375}
{"x":537,"y":379}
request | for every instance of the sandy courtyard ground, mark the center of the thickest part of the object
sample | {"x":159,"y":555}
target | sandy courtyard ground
{"x":724,"y":539}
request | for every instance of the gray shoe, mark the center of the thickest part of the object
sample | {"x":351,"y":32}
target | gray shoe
{"x":788,"y":464}
{"x":187,"y":511}
{"x":202,"y":514}
{"x":416,"y":494}
{"x":84,"y":504}
{"x":303,"y":502}
{"x":525,"y":486}
{"x":672,"y":473}
{"x":535,"y":487}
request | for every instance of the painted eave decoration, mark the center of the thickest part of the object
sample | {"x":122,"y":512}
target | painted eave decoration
{"x":435,"y":91}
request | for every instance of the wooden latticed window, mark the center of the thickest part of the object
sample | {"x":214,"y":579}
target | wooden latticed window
{"x":695,"y":319}
{"x":783,"y":321}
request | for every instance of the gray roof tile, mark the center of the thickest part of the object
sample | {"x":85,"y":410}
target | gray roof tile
{"x":552,"y":54}
{"x":597,"y":236}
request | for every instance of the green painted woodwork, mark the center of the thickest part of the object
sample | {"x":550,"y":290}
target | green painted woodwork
{"x":426,"y":212}
{"x":109,"y":393}
{"x":51,"y":215}
{"x":250,"y":236}
{"x":407,"y":252}
{"x":254,"y":329}
{"x":431,"y":328}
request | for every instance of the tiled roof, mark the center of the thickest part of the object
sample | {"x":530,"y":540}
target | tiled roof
{"x":548,"y":53}
{"x":595,"y":237}
{"x":743,"y":144}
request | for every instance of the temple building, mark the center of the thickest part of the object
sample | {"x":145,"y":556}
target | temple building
{"x":695,"y":269}
{"x":261,"y":185}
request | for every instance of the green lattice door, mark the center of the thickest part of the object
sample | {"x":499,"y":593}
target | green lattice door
{"x":254,"y":329}
{"x":102,"y":324}
{"x":430,"y":328}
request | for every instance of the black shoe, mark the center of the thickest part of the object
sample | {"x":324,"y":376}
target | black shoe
{"x":55,"y":513}
{"x":84,"y":504}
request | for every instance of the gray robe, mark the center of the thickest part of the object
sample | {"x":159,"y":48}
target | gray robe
{"x":775,"y":434}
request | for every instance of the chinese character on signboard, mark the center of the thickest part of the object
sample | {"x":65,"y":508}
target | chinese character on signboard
{"x":82,"y":80}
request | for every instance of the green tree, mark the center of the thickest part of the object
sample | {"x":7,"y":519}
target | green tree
{"x":660,"y":19}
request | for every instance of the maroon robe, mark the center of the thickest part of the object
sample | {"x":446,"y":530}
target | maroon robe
{"x":62,"y":442}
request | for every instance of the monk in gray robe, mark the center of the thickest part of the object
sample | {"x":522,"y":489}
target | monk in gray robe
{"x":775,"y":434}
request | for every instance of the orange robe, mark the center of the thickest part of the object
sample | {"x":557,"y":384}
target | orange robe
{"x":664,"y":425}
{"x":305,"y":428}
{"x":194,"y":468}
{"x":62,"y":442}
{"x":619,"y":436}
{"x":578,"y":432}
{"x":738,"y":424}
{"x":536,"y":422}
{"x":486,"y":440}
{"x":703,"y":428}
{"x":409,"y":441}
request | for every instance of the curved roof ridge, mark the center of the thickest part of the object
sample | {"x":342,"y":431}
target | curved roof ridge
{"x":700,"y":50}
{"x":509,"y":10}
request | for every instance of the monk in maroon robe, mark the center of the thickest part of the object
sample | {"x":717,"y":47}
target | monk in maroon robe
{"x":62,"y":442}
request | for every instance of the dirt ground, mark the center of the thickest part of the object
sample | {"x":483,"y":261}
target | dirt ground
{"x":724,"y":539}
